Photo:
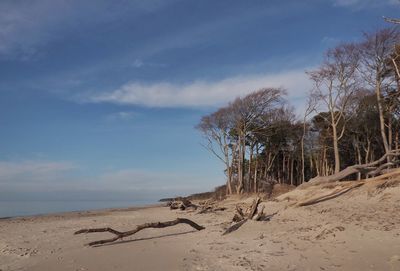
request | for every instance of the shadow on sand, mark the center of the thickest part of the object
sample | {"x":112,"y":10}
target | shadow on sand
{"x":145,"y":238}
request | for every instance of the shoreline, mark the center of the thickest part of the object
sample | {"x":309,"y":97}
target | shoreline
{"x":83,"y":213}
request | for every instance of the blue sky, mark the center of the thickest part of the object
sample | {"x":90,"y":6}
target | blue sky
{"x":99,"y":99}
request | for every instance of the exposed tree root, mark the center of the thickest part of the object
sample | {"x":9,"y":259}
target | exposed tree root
{"x":369,"y":169}
{"x":120,"y":235}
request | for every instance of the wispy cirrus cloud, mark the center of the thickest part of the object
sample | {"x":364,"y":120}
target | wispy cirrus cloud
{"x":201,"y":93}
{"x":11,"y":171}
{"x":50,"y":178}
{"x":364,"y":3}
{"x":25,"y":26}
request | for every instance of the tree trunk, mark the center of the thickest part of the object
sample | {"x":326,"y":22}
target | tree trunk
{"x":303,"y":177}
{"x":358,"y":152}
{"x":335,"y":147}
{"x":249,"y":170}
{"x":381,"y":116}
{"x":291,"y":171}
{"x":242,"y":151}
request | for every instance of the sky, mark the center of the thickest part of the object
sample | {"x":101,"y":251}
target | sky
{"x":99,"y":99}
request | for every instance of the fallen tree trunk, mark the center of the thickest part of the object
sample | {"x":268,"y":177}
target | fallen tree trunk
{"x":332,"y":195}
{"x":120,"y":235}
{"x":370,"y":169}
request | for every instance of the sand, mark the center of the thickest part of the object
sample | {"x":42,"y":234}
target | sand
{"x":359,"y":230}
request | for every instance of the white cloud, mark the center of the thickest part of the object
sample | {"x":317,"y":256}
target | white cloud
{"x":364,"y":3}
{"x":203,"y":93}
{"x":34,"y":170}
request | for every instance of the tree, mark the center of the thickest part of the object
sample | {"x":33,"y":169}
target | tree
{"x":216,"y":129}
{"x":335,"y":83}
{"x":309,"y":110}
{"x":247,"y":111}
{"x":374,"y":52}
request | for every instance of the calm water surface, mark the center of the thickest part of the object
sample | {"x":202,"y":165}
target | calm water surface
{"x":25,"y":208}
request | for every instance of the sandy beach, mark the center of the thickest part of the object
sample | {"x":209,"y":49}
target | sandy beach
{"x":356,"y":231}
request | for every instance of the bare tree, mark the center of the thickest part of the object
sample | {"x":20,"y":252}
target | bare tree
{"x":216,"y":129}
{"x":311,"y":104}
{"x":335,"y":83}
{"x":374,"y":53}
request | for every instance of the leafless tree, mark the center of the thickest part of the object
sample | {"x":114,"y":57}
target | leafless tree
{"x":310,"y":108}
{"x":216,"y":129}
{"x":335,"y":83}
{"x":374,"y":52}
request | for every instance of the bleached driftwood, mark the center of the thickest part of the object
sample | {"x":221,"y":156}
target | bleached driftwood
{"x":253,"y":214}
{"x":120,"y":235}
{"x":182,"y":204}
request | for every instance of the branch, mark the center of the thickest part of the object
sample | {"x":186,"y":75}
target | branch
{"x":235,"y":226}
{"x":120,"y":235}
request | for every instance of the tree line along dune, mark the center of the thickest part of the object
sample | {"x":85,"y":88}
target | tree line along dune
{"x":349,"y":130}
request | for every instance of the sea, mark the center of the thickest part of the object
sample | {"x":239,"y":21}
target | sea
{"x":38,"y":207}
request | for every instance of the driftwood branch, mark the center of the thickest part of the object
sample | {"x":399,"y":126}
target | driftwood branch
{"x":253,"y":214}
{"x":211,"y":209}
{"x":253,"y":208}
{"x":182,"y":204}
{"x":210,"y":206}
{"x":120,"y":235}
{"x":235,"y":226}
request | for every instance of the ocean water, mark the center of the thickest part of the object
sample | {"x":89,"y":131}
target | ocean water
{"x":36,"y":207}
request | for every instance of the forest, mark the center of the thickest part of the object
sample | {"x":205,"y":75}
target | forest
{"x":350,"y":127}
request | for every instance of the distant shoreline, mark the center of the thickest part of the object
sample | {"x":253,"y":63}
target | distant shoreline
{"x":81,"y":213}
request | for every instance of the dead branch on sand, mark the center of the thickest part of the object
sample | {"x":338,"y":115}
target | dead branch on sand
{"x":253,"y":214}
{"x":120,"y":235}
{"x":182,"y":204}
{"x":211,"y":209}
